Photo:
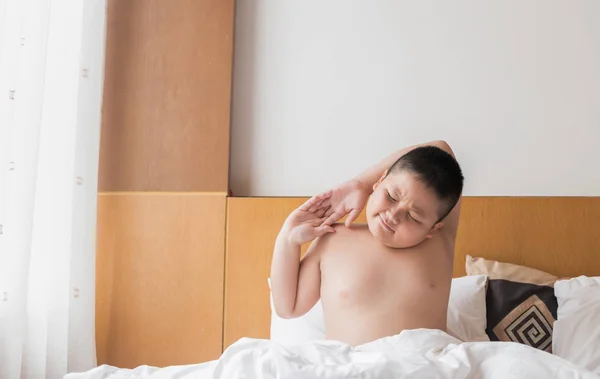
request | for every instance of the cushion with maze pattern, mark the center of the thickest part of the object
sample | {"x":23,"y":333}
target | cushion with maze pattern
{"x":520,"y":302}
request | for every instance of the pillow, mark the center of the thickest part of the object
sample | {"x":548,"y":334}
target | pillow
{"x":520,"y":302}
{"x":466,"y":309}
{"x":466,"y":316}
{"x":576,"y":335}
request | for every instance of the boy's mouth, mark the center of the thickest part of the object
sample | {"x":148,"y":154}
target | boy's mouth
{"x":385,"y":224}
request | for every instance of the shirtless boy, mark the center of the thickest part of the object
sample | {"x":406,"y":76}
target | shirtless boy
{"x":390,"y":274}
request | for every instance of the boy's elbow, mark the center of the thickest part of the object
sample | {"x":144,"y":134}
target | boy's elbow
{"x":441,"y":144}
{"x":444,"y":146}
{"x":283,"y":309}
{"x":289,"y":312}
{"x":285,"y":314}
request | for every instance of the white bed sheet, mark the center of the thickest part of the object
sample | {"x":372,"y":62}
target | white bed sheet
{"x":418,"y":353}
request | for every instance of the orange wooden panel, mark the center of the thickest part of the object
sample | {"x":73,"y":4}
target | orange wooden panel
{"x":557,"y":235}
{"x":252,"y":225}
{"x":159,"y":278}
{"x":488,"y":227}
{"x":561,"y":236}
{"x":167,"y":92}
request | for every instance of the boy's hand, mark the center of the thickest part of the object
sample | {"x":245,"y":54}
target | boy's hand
{"x":349,"y":198}
{"x":305,"y":223}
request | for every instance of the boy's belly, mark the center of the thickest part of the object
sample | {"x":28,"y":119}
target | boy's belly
{"x":367,"y":299}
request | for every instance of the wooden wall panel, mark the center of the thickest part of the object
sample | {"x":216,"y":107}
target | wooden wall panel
{"x":252,"y":225}
{"x":557,"y":235}
{"x":159,"y":278}
{"x":167,"y":94}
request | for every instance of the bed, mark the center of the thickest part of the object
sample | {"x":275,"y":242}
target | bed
{"x":555,"y":236}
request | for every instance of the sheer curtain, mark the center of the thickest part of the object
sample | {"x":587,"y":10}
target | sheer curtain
{"x":51,"y":75}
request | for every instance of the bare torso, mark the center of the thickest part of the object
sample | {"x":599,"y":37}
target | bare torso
{"x":370,"y":291}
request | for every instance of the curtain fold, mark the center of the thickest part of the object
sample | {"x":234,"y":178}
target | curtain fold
{"x":51,"y":76}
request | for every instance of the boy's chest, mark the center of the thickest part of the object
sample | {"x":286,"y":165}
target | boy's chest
{"x":362,"y":275}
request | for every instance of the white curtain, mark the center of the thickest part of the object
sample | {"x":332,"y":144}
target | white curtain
{"x":51,"y":75}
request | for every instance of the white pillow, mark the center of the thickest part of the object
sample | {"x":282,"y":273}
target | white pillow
{"x":466,"y":316}
{"x":466,"y":309}
{"x":576,"y":335}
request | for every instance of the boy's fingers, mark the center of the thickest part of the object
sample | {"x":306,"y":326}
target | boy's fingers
{"x":334,"y":217}
{"x":325,"y":204}
{"x":329,"y":212}
{"x":307,"y":204}
{"x":322,"y":230}
{"x":321,"y":212}
{"x":352,"y":216}
{"x":316,"y":205}
{"x":321,"y":201}
{"x":315,"y":200}
{"x":326,"y":194}
{"x":311,"y":203}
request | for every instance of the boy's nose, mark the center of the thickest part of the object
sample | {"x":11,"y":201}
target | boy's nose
{"x":395,"y":215}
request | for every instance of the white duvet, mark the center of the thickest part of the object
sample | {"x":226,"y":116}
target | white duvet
{"x":418,"y":353}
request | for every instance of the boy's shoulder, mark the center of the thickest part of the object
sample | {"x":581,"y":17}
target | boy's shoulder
{"x":344,"y":233}
{"x":357,"y":236}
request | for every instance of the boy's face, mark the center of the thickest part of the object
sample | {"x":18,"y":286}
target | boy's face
{"x":402,"y":212}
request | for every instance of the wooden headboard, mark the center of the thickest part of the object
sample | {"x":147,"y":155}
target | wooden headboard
{"x":558,"y":235}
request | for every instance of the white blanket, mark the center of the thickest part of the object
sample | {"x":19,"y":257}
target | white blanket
{"x":411,"y":354}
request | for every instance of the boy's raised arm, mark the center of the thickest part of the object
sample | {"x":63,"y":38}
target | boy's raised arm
{"x":370,"y":176}
{"x":349,"y":198}
{"x":295,"y":284}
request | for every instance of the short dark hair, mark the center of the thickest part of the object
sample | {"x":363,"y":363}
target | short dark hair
{"x":438,"y":170}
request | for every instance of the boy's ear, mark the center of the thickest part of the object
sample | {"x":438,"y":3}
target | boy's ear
{"x":377,"y":183}
{"x":435,"y":229}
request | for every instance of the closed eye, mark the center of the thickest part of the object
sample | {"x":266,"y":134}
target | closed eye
{"x":414,"y":219}
{"x":390,"y":196}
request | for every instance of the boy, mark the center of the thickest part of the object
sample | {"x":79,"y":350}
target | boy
{"x":390,"y":274}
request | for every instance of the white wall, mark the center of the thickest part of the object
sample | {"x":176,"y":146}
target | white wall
{"x":324,"y":89}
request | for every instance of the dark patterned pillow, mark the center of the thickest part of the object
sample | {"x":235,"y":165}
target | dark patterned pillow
{"x":520,"y":302}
